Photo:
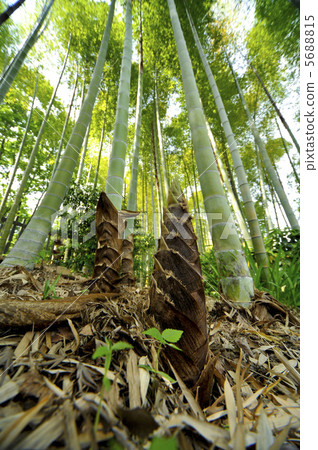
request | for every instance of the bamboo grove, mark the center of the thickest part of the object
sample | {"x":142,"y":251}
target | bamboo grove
{"x":150,"y":95}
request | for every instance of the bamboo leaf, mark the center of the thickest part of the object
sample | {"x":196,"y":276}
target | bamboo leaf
{"x":144,"y":378}
{"x":165,"y":375}
{"x":280,"y":439}
{"x":264,"y":438}
{"x":7,"y":436}
{"x":230,"y":406}
{"x":189,"y":396}
{"x":146,"y":367}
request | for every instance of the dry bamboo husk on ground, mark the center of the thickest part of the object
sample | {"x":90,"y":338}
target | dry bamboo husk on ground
{"x":50,"y":385}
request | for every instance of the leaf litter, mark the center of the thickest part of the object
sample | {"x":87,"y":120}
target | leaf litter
{"x":50,"y":385}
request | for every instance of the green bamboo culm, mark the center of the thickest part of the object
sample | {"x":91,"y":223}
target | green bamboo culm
{"x":288,"y":154}
{"x":14,"y":68}
{"x":158,"y":139}
{"x":266,"y":160}
{"x":116,"y":170}
{"x":267,"y":217}
{"x":83,"y":155}
{"x":29,"y":245}
{"x":154,"y":218}
{"x":235,"y":278}
{"x":236,"y":208}
{"x":158,"y":162}
{"x":5,"y":15}
{"x":20,"y":152}
{"x":250,"y":213}
{"x":100,"y":150}
{"x":132,"y":196}
{"x":59,"y":152}
{"x":32,"y":158}
{"x":273,"y":103}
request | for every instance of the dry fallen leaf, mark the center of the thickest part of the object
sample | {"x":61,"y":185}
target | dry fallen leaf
{"x":62,"y":353}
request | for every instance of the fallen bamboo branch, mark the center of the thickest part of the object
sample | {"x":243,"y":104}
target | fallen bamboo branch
{"x":19,"y":313}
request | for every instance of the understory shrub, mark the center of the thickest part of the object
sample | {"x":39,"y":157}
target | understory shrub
{"x":283,"y":249}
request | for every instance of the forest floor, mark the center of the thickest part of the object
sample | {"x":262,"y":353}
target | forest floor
{"x":50,"y":385}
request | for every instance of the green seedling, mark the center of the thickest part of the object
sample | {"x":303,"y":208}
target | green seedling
{"x":168,"y":337}
{"x":255,"y":269}
{"x":49,"y":289}
{"x":106,"y":352}
{"x":159,"y":443}
{"x":44,"y":254}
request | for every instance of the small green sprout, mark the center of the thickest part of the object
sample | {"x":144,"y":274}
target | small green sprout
{"x":49,"y":290}
{"x":43,"y":255}
{"x":168,"y":337}
{"x":158,"y":443}
{"x":106,"y":352}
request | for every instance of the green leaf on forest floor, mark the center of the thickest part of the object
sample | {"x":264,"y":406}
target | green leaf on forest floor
{"x":49,"y":289}
{"x":106,"y":351}
{"x":159,"y":443}
{"x":153,"y":332}
{"x":172,"y":335}
{"x":167,"y":337}
{"x":157,"y":372}
{"x":121,"y":346}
